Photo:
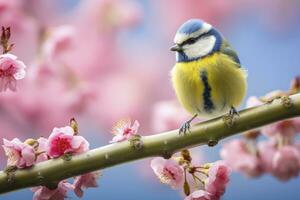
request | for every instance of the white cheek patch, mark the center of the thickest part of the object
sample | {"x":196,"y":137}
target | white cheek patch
{"x":201,"y":48}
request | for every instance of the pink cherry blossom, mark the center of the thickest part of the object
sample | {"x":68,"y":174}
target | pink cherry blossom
{"x":218,"y":177}
{"x":242,"y":157}
{"x":42,"y":150}
{"x":11,"y":70}
{"x":286,"y":128}
{"x":19,"y":154}
{"x":168,"y":171}
{"x":286,"y":163}
{"x":123,"y":130}
{"x":85,"y":181}
{"x":62,"y":140}
{"x":60,"y":193}
{"x":198,"y":195}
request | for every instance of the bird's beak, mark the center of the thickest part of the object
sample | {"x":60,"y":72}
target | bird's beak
{"x":176,"y":47}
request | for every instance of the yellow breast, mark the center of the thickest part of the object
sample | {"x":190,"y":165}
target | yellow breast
{"x":209,"y":86}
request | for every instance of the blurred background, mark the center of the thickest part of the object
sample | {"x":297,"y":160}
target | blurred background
{"x":103,"y":60}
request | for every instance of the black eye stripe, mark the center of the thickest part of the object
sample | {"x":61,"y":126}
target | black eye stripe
{"x":193,"y":40}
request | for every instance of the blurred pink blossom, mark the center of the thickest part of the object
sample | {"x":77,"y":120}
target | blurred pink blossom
{"x":108,"y":15}
{"x":253,"y":101}
{"x":210,"y":11}
{"x":168,"y":172}
{"x":242,"y":157}
{"x":59,"y":40}
{"x":118,"y":95}
{"x":47,"y":12}
{"x":24,"y":28}
{"x":98,"y":24}
{"x":85,"y":181}
{"x":286,"y":163}
{"x":60,"y":193}
{"x":286,"y":128}
{"x":218,"y":178}
{"x":79,"y":98}
{"x":11,"y":70}
{"x":62,"y":140}
{"x":266,"y":151}
{"x":18,"y":153}
{"x":123,"y":130}
{"x":13,"y":4}
{"x":31,"y":108}
{"x":281,"y":161}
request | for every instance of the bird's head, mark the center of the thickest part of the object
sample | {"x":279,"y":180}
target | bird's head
{"x":195,"y":39}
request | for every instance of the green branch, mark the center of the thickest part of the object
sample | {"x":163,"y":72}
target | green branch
{"x":50,"y":172}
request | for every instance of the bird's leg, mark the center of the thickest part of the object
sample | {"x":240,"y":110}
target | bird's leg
{"x":186,"y":125}
{"x":233,"y":112}
{"x":229,"y":118}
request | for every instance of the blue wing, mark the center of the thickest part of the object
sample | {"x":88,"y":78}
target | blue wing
{"x":230,"y":52}
{"x":227,"y":49}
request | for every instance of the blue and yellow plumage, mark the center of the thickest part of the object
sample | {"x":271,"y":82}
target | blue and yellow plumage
{"x":207,"y":77}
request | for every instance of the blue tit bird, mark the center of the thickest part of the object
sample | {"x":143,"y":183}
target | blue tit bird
{"x":207,"y":77}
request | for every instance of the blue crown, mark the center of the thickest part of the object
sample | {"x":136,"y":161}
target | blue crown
{"x":190,"y":26}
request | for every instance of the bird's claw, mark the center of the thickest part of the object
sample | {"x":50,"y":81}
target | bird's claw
{"x":185,"y":127}
{"x":233,"y":112}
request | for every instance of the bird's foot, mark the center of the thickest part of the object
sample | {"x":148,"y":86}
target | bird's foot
{"x":229,"y":118}
{"x":187,"y":125}
{"x":233,"y":112}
